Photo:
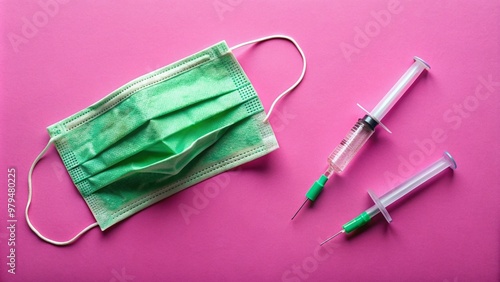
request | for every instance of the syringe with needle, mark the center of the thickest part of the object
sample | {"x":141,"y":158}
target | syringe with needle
{"x":363,"y":129}
{"x":446,"y":161}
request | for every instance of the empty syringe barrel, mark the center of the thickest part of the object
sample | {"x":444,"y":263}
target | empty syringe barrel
{"x":383,"y":107}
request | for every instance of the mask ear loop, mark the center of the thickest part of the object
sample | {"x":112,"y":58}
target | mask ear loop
{"x":30,"y":194}
{"x":301,"y":74}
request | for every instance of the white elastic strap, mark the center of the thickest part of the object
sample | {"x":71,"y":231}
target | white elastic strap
{"x":30,"y":192}
{"x":303,"y":68}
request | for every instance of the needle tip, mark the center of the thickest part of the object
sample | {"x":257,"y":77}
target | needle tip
{"x":299,"y":209}
{"x":335,"y":235}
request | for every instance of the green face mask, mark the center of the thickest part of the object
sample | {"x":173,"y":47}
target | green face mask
{"x":162,"y":133}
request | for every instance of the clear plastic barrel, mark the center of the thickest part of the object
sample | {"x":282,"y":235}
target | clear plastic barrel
{"x":383,"y":107}
{"x":403,"y":189}
{"x":446,"y":161}
{"x":350,"y":145}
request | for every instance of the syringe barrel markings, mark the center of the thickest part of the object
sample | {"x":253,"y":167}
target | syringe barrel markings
{"x":350,"y":145}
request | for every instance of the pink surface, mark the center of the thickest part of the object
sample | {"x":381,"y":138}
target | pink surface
{"x":59,"y":57}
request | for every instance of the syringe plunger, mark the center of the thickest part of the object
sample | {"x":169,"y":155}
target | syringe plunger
{"x":383,"y":107}
{"x":363,"y":129}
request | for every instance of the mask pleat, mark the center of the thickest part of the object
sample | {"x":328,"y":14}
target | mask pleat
{"x":238,"y":145}
{"x":174,"y":150}
{"x":104,"y":131}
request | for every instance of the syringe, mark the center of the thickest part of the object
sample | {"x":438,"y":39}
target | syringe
{"x":395,"y":194}
{"x":363,"y":129}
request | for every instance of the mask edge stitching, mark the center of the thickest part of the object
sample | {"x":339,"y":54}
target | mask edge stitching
{"x":261,"y":148}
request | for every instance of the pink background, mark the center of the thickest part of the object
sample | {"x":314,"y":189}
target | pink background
{"x":449,"y":231}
